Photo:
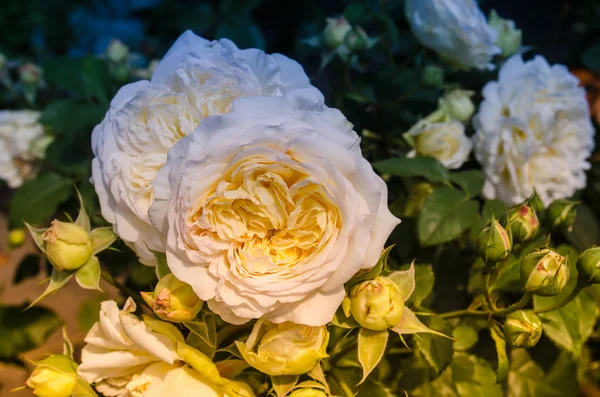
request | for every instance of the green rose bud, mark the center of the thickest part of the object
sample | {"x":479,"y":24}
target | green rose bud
{"x":433,"y":76}
{"x":562,"y":213}
{"x":523,"y":223}
{"x":307,"y":392}
{"x":509,"y":37}
{"x":284,"y":349}
{"x":494,"y":243}
{"x":357,"y":39}
{"x":377,"y":304}
{"x":522,"y":328}
{"x":335,"y":32}
{"x":545,"y":272}
{"x":30,"y":73}
{"x":173,"y":300}
{"x":588,"y":266}
{"x":416,"y":198}
{"x":117,"y":51}
{"x":55,"y":376}
{"x":68,"y":246}
{"x":458,"y":104}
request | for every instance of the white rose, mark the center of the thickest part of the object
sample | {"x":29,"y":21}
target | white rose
{"x":445,"y":141}
{"x":533,"y":132}
{"x":455,"y":29}
{"x":197,"y":78}
{"x":22,"y":144}
{"x":120,"y":346}
{"x":268,"y":211}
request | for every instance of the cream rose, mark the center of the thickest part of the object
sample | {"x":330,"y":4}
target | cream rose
{"x":455,"y":29}
{"x":267,"y":211}
{"x":120,"y":347}
{"x":533,"y":132}
{"x":22,"y":145}
{"x":445,"y":141}
{"x":196,"y":79}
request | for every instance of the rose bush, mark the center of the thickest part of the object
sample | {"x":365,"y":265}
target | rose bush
{"x":197,"y":78}
{"x":287,"y":210}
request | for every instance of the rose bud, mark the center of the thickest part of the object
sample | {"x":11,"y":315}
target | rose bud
{"x":285,"y":348}
{"x":458,"y":104}
{"x":68,"y":246}
{"x":335,"y":32}
{"x":545,"y":272}
{"x":523,"y":223}
{"x":562,"y":213}
{"x":173,"y":300}
{"x":522,"y":328}
{"x":494,"y":243}
{"x":357,"y":39}
{"x":308,"y":392}
{"x":509,"y":37}
{"x":53,"y":377}
{"x":588,"y":266}
{"x":377,"y":304}
{"x":116,"y":51}
{"x":536,"y":203}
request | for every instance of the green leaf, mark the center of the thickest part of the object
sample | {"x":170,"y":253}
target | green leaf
{"x":283,"y":384}
{"x":500,"y":343}
{"x":29,"y":267}
{"x":65,"y":73}
{"x":68,"y":116}
{"x":526,"y":378}
{"x":474,"y":376}
{"x":446,"y":213}
{"x":371,"y":347}
{"x":493,"y":207}
{"x":57,"y":280}
{"x":410,"y":324}
{"x":21,"y":331}
{"x":424,"y":281}
{"x":88,"y":275}
{"x":102,"y":238}
{"x":586,"y":229}
{"x":206,"y":334}
{"x":372,"y":272}
{"x":471,"y":182}
{"x":38,"y":199}
{"x":465,"y":337}
{"x":88,"y":314}
{"x":437,"y":351}
{"x":162,"y":269}
{"x":404,"y":280}
{"x":83,"y":219}
{"x":231,"y":368}
{"x":95,"y":78}
{"x":426,"y":167}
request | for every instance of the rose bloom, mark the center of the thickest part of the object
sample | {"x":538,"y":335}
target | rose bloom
{"x":196,"y":79}
{"x":533,"y":132}
{"x":445,"y":141}
{"x":120,"y":347}
{"x":455,"y":29}
{"x":267,"y":211}
{"x":22,"y":145}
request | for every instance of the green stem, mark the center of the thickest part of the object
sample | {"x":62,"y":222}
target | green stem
{"x":486,"y":290}
{"x":565,"y":302}
{"x":497,"y":313}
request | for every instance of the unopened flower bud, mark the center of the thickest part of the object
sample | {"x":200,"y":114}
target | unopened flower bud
{"x":416,"y":198}
{"x":509,"y":37}
{"x":545,"y":272}
{"x":173,"y":300}
{"x":357,"y":39}
{"x":494,"y":243}
{"x":588,"y":266}
{"x":308,"y":392}
{"x":335,"y":32}
{"x":67,"y":245}
{"x":30,"y":73}
{"x":522,"y":328}
{"x":523,"y":223}
{"x":377,"y":304}
{"x":285,"y":348}
{"x":433,"y":76}
{"x":458,"y":104}
{"x":117,"y":51}
{"x":54,"y":377}
{"x":562,"y":213}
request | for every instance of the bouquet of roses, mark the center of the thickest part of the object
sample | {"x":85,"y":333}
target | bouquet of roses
{"x":263,"y":219}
